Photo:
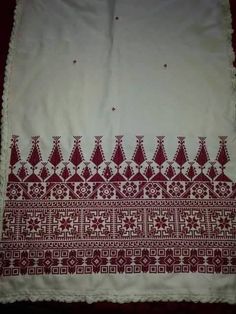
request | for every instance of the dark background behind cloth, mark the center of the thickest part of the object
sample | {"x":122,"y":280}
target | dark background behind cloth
{"x":6,"y":21}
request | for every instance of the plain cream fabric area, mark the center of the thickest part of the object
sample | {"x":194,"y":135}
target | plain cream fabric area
{"x":113,"y":68}
{"x":121,"y":64}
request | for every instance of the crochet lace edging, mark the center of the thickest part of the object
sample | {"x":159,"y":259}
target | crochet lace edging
{"x":61,"y":297}
{"x":5,"y":98}
{"x":227,"y":18}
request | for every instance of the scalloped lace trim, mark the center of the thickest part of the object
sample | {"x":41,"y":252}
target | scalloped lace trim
{"x":63,"y":297}
{"x":4,"y":120}
{"x":229,"y":31}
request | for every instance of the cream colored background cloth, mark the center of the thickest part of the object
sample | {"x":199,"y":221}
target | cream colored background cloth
{"x":161,"y":68}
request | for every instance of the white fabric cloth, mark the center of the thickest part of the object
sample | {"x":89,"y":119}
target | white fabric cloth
{"x":130,"y":72}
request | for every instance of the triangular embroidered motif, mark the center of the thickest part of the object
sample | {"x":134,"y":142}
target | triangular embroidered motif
{"x":76,"y":156}
{"x":44,"y":172}
{"x":139,"y":155}
{"x":223,"y":156}
{"x":15,"y":153}
{"x":212,"y":172}
{"x":22,"y":172}
{"x":170,"y":171}
{"x":149,"y":171}
{"x":86,"y":172}
{"x":65,"y":172}
{"x":35,"y":155}
{"x":55,"y":157}
{"x":202,"y":155}
{"x":118,"y":155}
{"x":128,"y":172}
{"x":160,"y":154}
{"x":181,"y":155}
{"x":97,"y":156}
{"x":107,"y":172}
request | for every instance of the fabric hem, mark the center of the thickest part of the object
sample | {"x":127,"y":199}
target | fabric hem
{"x":5,"y":97}
{"x":49,"y":296}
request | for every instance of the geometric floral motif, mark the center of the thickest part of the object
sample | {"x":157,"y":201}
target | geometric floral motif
{"x":71,"y":261}
{"x":223,"y":189}
{"x":199,"y":190}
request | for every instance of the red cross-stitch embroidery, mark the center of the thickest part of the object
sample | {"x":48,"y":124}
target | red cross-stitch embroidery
{"x":118,"y":213}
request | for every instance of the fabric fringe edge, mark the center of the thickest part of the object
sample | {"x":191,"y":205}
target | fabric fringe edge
{"x":114,"y":298}
{"x":4,"y":117}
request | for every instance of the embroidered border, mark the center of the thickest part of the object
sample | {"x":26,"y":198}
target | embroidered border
{"x":113,"y":216}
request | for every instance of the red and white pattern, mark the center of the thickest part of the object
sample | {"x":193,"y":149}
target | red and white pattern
{"x":113,"y":215}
